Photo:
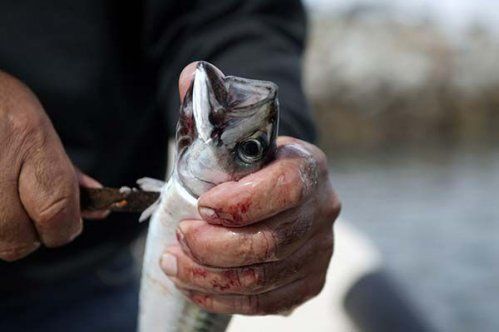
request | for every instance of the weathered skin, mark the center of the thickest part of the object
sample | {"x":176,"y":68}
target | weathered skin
{"x":276,"y":259}
{"x":39,"y":195}
{"x":273,"y":253}
{"x":38,"y":184}
{"x":263,"y":243}
{"x":227,"y":130}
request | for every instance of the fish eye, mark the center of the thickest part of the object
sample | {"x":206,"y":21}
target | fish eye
{"x":251,"y":150}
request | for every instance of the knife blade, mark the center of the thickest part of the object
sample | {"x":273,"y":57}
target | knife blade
{"x":116,"y":199}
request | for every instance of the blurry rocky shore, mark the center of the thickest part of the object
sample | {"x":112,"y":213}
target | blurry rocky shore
{"x":380,"y":82}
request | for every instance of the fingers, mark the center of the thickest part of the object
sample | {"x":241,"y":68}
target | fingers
{"x":253,"y":279}
{"x":48,"y":189}
{"x":282,"y":286}
{"x":86,"y":181}
{"x":39,"y":200}
{"x":274,"y":302}
{"x":285,"y":183}
{"x":262,"y":242}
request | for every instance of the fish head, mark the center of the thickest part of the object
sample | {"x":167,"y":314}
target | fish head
{"x":227,"y":129}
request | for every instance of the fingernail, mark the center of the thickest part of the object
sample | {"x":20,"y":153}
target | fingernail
{"x":207,"y":213}
{"x":169,"y":264}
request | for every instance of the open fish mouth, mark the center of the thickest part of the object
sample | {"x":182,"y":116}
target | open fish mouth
{"x":227,"y":128}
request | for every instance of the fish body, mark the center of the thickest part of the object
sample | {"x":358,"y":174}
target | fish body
{"x":161,"y":303}
{"x":227,"y":130}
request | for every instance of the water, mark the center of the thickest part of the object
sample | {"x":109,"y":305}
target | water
{"x":455,"y":16}
{"x":435,"y":218}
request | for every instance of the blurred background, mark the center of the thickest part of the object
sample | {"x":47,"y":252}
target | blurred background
{"x":407,"y":98}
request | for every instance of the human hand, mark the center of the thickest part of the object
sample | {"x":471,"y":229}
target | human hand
{"x":39,"y":197}
{"x":265,"y":242}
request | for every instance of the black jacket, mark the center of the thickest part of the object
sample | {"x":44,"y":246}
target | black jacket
{"x":106,"y":72}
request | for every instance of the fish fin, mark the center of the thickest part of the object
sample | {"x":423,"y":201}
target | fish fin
{"x":150,"y":184}
{"x":149,"y":211}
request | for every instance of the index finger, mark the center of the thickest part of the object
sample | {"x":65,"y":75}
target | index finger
{"x":283,"y":184}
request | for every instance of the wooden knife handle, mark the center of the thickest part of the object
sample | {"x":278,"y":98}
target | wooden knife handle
{"x":114,"y":199}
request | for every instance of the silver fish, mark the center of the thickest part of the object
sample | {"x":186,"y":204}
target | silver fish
{"x":227,"y":129}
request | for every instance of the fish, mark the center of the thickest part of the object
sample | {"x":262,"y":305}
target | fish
{"x":227,"y":129}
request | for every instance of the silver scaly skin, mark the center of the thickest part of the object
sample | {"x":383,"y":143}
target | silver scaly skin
{"x":227,"y":130}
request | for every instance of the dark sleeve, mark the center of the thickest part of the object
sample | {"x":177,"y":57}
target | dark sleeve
{"x":259,"y":39}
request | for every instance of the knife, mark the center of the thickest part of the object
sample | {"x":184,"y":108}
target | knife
{"x":117,"y":200}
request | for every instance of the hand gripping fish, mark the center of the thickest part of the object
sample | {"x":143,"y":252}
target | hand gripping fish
{"x":227,"y":130}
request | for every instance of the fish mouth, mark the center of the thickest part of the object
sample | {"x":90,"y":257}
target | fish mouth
{"x":205,"y":181}
{"x":195,"y":183}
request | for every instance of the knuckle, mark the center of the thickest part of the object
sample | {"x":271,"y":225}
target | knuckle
{"x":321,"y":159}
{"x":256,"y":248}
{"x":25,"y":122}
{"x":317,"y":288}
{"x":17,"y":252}
{"x":325,"y":245}
{"x":249,"y":304}
{"x":290,"y":232}
{"x":197,"y":254}
{"x":192,"y":245}
{"x":268,"y":243}
{"x":19,"y":107}
{"x":332,"y":207}
{"x":309,"y":174}
{"x":300,"y":186}
{"x":253,"y":279}
{"x":329,"y":246}
{"x":50,"y":215}
{"x":199,"y":257}
{"x":288,"y":184}
{"x":316,"y":154}
{"x":248,"y":249}
{"x":26,"y":127}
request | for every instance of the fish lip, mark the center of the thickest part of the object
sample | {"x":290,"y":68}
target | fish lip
{"x":271,"y":86}
{"x":189,"y":190}
{"x":205,"y":181}
{"x":237,"y":98}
